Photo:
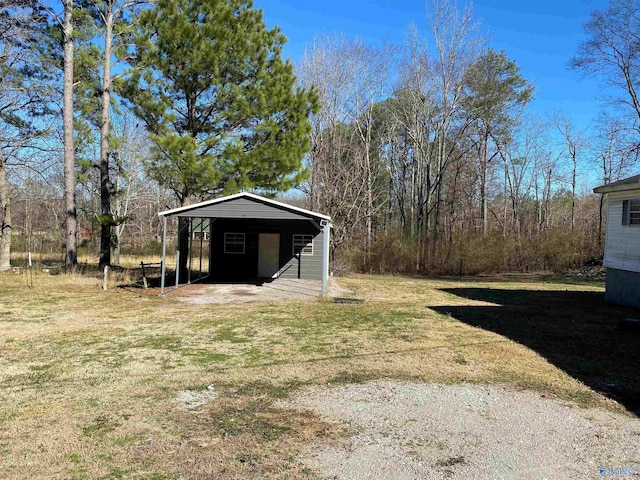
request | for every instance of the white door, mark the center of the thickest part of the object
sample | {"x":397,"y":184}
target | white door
{"x":268,"y":255}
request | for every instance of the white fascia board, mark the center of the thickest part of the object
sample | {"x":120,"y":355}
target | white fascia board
{"x":246,"y":195}
{"x":617,"y":188}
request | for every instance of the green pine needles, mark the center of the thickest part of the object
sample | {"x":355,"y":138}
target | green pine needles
{"x":219,"y":102}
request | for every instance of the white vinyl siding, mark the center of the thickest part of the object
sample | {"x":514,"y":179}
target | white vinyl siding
{"x":622,"y":245}
{"x":234,"y":243}
{"x":302,"y":244}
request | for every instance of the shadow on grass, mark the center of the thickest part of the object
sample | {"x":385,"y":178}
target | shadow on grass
{"x":576,"y":331}
{"x":154,"y":280}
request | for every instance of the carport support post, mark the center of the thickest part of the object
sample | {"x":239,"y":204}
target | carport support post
{"x":177,"y":268}
{"x":201,"y":236}
{"x":190,"y":265}
{"x":326,"y":234}
{"x":164,"y":254}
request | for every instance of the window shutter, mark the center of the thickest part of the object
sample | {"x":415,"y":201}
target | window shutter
{"x":625,"y":212}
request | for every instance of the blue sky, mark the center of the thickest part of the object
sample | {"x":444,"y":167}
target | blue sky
{"x":539,"y":35}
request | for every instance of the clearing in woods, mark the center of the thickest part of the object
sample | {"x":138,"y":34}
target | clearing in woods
{"x":114,"y":384}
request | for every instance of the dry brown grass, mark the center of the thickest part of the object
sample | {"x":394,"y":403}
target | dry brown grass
{"x":91,"y":260}
{"x":89,"y":378}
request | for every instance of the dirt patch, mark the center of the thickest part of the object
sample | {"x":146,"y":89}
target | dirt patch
{"x":277,"y":290}
{"x":193,"y":399}
{"x":413,"y":430}
{"x":243,"y":293}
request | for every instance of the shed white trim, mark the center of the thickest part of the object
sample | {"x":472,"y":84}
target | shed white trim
{"x":252,"y":196}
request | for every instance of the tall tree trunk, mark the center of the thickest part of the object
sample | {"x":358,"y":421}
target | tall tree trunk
{"x":118,"y":228}
{"x":483,"y":188}
{"x":573,"y":194}
{"x":600,"y":211}
{"x":483,"y":199}
{"x":5,"y":219}
{"x":438,"y":205}
{"x":505,"y":194}
{"x":547,"y":199}
{"x":436,"y":220}
{"x":369,"y":214}
{"x":71,"y":230}
{"x":105,"y":183}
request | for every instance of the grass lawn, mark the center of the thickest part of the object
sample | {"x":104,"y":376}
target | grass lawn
{"x":89,"y":379}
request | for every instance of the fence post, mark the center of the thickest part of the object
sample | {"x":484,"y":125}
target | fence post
{"x":144,"y":277}
{"x":105,"y":280}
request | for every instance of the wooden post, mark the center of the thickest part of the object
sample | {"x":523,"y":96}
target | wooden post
{"x":30,"y":281}
{"x":144,"y":277}
{"x":105,"y":280}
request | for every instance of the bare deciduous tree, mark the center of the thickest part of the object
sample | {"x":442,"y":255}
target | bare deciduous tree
{"x":23,"y":99}
{"x":612,"y":51}
{"x":573,"y":148}
{"x":350,"y":78}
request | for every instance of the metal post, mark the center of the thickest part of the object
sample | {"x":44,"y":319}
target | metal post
{"x":201,"y":240}
{"x":326,"y":234}
{"x":177,"y":267}
{"x":190,"y":263}
{"x":164,"y":254}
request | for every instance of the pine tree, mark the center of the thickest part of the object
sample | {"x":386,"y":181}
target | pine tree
{"x":112,"y":19}
{"x":496,"y":94}
{"x":218,"y":101}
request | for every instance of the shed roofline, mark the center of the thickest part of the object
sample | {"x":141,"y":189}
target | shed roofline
{"x":168,"y":213}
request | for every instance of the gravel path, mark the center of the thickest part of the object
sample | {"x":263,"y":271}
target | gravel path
{"x":426,"y":431}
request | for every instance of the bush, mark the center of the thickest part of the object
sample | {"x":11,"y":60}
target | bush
{"x":473,"y":254}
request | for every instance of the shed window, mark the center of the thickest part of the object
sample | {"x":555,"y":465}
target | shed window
{"x":631,"y":212}
{"x":303,"y":244}
{"x":234,"y":243}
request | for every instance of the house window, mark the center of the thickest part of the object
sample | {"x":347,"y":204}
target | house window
{"x":631,"y":212}
{"x":234,"y":243}
{"x":303,"y":244}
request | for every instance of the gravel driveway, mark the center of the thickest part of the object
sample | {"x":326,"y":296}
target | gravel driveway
{"x":425,"y":431}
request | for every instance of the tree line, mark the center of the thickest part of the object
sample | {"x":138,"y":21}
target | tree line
{"x":424,"y":154}
{"x":428,"y":160}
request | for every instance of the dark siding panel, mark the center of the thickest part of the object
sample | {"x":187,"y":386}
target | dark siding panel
{"x":241,"y":267}
{"x":243,"y":208}
{"x":308,"y":266}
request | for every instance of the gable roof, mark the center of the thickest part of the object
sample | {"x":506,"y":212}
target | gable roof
{"x":244,"y":205}
{"x":631,"y":183}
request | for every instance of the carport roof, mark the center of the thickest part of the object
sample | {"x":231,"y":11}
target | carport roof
{"x":244,"y":205}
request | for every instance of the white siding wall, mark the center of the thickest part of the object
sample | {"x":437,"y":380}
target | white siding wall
{"x":622,"y":245}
